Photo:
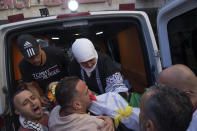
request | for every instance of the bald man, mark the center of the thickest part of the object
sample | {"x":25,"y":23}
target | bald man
{"x":182,"y":77}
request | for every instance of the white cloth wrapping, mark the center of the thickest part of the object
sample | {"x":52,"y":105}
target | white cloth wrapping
{"x":109,"y":104}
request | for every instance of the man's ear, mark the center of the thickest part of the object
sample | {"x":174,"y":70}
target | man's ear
{"x":17,"y":112}
{"x":188,"y":93}
{"x":77,"y":105}
{"x":150,"y":125}
{"x":39,"y":46}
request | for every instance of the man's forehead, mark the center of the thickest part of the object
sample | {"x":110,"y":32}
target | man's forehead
{"x":23,"y":95}
{"x":81,"y":86}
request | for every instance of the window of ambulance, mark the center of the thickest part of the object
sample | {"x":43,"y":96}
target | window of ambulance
{"x":182,"y":33}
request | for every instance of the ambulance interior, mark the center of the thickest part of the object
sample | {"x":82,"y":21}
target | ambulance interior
{"x":121,"y":39}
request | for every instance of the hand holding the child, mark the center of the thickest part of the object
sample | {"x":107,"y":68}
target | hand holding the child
{"x":107,"y":125}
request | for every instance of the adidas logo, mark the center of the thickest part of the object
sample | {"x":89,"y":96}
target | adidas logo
{"x":27,"y":45}
{"x":30,"y":52}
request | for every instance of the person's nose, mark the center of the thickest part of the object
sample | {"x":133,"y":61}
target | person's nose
{"x":32,"y":103}
{"x":89,"y":92}
{"x":89,"y":64}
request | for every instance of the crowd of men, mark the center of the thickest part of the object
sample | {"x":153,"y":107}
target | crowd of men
{"x":170,"y":105}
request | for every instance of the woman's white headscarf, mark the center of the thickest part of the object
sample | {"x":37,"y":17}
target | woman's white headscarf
{"x":83,"y":50}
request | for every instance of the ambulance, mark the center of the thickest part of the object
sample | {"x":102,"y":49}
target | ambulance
{"x":126,"y":36}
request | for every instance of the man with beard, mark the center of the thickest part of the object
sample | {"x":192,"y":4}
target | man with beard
{"x":73,"y":96}
{"x":28,"y":107}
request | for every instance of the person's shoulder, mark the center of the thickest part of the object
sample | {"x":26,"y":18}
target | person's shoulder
{"x":103,"y":57}
{"x":54,"y":110}
{"x":74,"y":65}
{"x":102,"y":54}
{"x":91,"y":118}
{"x":23,"y":63}
{"x":91,"y":123}
{"x":106,"y":64}
{"x":51,"y":49}
{"x":74,"y":69}
{"x":53,"y":116}
{"x":54,"y":52}
{"x":74,"y":62}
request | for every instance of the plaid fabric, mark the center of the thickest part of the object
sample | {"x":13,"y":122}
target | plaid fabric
{"x":32,"y":125}
{"x":114,"y":83}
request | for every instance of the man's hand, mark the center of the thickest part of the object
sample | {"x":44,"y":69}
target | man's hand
{"x":107,"y":125}
{"x":45,"y":102}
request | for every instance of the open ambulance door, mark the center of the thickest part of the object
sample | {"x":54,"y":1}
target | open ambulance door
{"x":177,"y":33}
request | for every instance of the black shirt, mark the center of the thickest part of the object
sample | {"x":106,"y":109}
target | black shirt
{"x":54,"y":69}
